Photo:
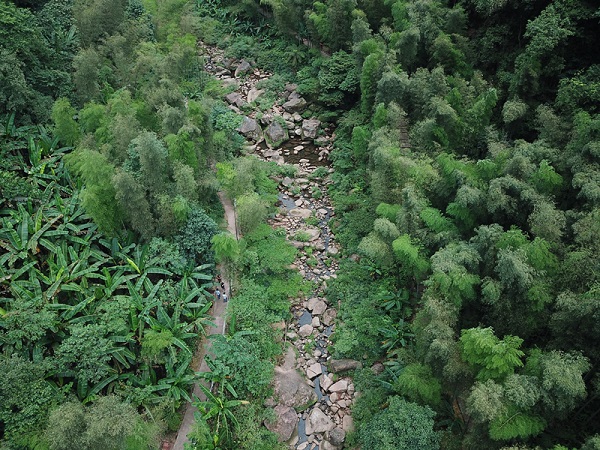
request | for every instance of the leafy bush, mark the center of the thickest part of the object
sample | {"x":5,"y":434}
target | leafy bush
{"x":401,"y":425}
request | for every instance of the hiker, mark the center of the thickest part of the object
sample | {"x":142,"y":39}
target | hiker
{"x":218,"y":293}
{"x":223,"y":285}
{"x":224,"y":297}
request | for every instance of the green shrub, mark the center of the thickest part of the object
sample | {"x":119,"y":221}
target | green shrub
{"x":301,"y":236}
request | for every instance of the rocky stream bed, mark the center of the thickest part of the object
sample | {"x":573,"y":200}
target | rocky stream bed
{"x":312,"y":398}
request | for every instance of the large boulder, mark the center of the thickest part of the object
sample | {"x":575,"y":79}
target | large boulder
{"x":337,"y":436}
{"x":294,"y":104}
{"x":235,"y":99}
{"x":242,"y":68}
{"x":285,"y":422}
{"x":303,"y":213}
{"x":343,"y":365}
{"x":275,"y":134}
{"x":292,"y":389}
{"x":310,"y":127}
{"x":312,"y":233}
{"x":318,"y":422}
{"x":251,"y":129}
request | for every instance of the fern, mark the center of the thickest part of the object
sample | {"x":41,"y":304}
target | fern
{"x":515,"y":424}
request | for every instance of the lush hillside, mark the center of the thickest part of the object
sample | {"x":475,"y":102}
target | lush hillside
{"x":467,"y":182}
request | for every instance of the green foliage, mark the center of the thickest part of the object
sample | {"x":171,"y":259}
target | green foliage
{"x":417,"y":384}
{"x":408,"y":255}
{"x":26,"y":396}
{"x":251,"y":211}
{"x":370,"y":75}
{"x":98,"y":193}
{"x":194,"y":239}
{"x":104,"y":425}
{"x":515,"y":424}
{"x":491,"y":357}
{"x":241,"y":359}
{"x":401,"y":425}
{"x":65,"y":127}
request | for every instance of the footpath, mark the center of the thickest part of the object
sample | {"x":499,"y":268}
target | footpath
{"x":199,"y":364}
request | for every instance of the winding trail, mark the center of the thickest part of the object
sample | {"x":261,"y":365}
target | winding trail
{"x":218,"y":313}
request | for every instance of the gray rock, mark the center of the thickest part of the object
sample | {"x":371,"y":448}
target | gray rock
{"x":326,"y":381}
{"x":275,"y":134}
{"x":329,"y":316}
{"x":305,"y":330}
{"x":271,"y":153}
{"x":337,"y":436}
{"x":290,"y":387}
{"x":321,"y":141}
{"x":300,"y":212}
{"x":253,"y":94}
{"x":377,"y":368}
{"x":326,"y":445}
{"x":310,"y":127}
{"x":317,"y":306}
{"x":251,"y":129}
{"x":339,"y":386}
{"x":318,"y":422}
{"x":348,"y":424}
{"x":312,"y":232}
{"x":232,"y":98}
{"x":295,"y":105}
{"x":314,"y":370}
{"x":291,"y":87}
{"x":285,"y":422}
{"x":342,"y":365}
{"x":242,"y":68}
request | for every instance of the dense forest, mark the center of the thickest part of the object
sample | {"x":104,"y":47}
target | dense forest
{"x":466,"y":186}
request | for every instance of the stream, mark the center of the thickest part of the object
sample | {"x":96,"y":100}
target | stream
{"x":312,"y":405}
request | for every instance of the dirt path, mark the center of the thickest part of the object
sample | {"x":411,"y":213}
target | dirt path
{"x":218,"y":313}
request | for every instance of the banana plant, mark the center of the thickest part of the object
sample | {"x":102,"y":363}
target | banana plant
{"x":177,"y":383}
{"x":217,"y":411}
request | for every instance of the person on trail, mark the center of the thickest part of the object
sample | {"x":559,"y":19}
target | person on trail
{"x":224,"y":297}
{"x":222,"y":285}
{"x":218,"y":293}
